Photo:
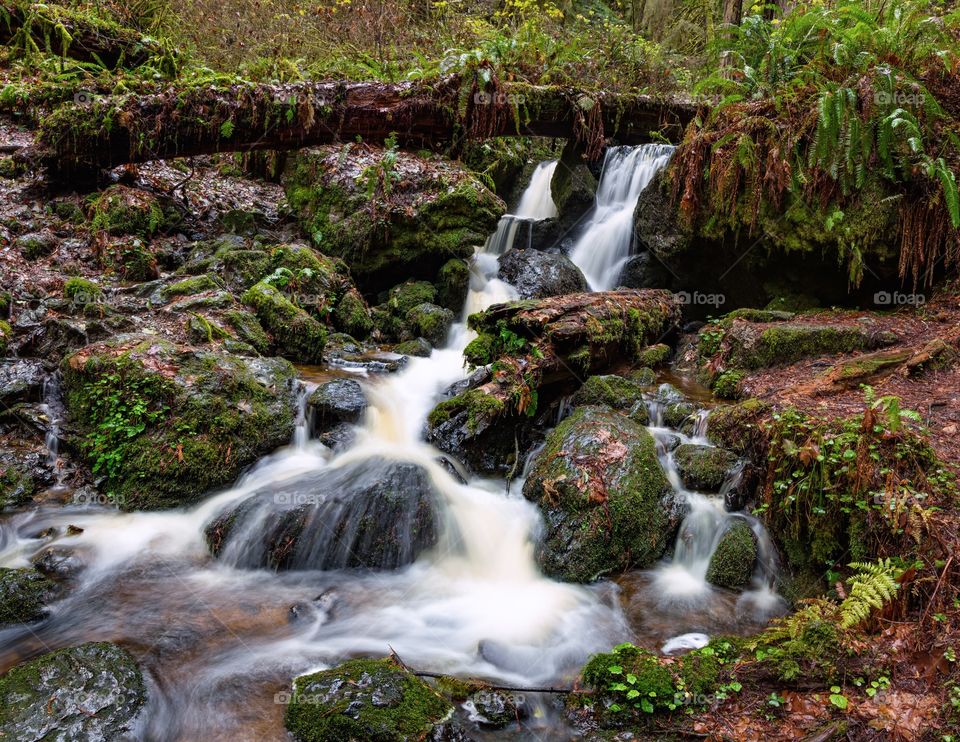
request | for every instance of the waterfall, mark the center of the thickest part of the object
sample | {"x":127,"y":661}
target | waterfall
{"x":52,"y":408}
{"x":604,"y":245}
{"x":536,"y":204}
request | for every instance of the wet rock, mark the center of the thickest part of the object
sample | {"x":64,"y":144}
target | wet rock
{"x":573,"y":187}
{"x":495,"y":709}
{"x":91,"y":692}
{"x":21,"y":381}
{"x":451,"y":468}
{"x":365,"y":700}
{"x":192,"y":419}
{"x":338,"y":438}
{"x":659,"y":229}
{"x":732,"y":563}
{"x":58,"y":563}
{"x":298,"y":336}
{"x":643,"y":376}
{"x":645,"y":271}
{"x":120,"y":210}
{"x":430,"y":322}
{"x":376,"y":514}
{"x":352,"y":315}
{"x":436,"y":211}
{"x":606,"y":502}
{"x":419,"y":347}
{"x":55,"y":338}
{"x":18,"y":477}
{"x":703,"y":468}
{"x":613,"y":391}
{"x":537,"y":275}
{"x":453,"y":282}
{"x":36,"y":245}
{"x":24,"y":595}
{"x":337,"y":401}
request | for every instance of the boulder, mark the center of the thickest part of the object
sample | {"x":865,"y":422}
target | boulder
{"x":732,"y":562}
{"x":376,"y":514}
{"x":297,"y":335}
{"x":337,"y":401}
{"x":430,"y":322}
{"x":453,"y":282}
{"x":703,"y":468}
{"x":537,"y":275}
{"x":163,"y":423}
{"x":613,"y":391}
{"x":606,"y":502}
{"x":94,"y":691}
{"x":24,"y":594}
{"x":365,"y":700}
{"x":645,"y":271}
{"x":120,"y":210}
{"x":573,"y":187}
{"x":433,"y":210}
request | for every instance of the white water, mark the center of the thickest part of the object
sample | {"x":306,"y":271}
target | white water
{"x":604,"y":246}
{"x":536,"y":204}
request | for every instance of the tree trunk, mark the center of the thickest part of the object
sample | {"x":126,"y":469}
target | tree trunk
{"x":204,"y":120}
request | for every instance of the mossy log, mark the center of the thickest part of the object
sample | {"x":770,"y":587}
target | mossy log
{"x":76,"y":34}
{"x":203,"y":120}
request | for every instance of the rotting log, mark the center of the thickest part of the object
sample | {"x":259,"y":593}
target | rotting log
{"x":540,"y":349}
{"x":68,"y":32}
{"x":203,"y":120}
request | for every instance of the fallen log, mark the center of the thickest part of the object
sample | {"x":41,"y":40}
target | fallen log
{"x":68,"y":32}
{"x":204,"y":120}
{"x":540,"y":350}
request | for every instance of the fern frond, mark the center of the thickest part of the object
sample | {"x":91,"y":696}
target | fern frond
{"x":871,"y":589}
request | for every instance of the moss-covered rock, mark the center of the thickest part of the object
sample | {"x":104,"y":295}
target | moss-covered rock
{"x":24,"y":594}
{"x":643,"y":376}
{"x":6,"y":335}
{"x":652,"y":680}
{"x":405,"y":296}
{"x":120,"y":210}
{"x":703,"y":468}
{"x":727,"y":385}
{"x":202,"y":330}
{"x":453,"y":283}
{"x":130,"y":259}
{"x":573,"y":186}
{"x":364,"y":700}
{"x":190,"y":286}
{"x":418,"y":347}
{"x":81,"y":291}
{"x":738,"y":427}
{"x":606,"y":502}
{"x":432,"y":211}
{"x":654,"y":356}
{"x":297,"y":335}
{"x":352,"y":315}
{"x":93,"y":691}
{"x":430,"y":322}
{"x":16,"y":482}
{"x":164,"y":424}
{"x":249,"y":330}
{"x":731,"y":565}
{"x":614,"y":391}
{"x":36,"y":245}
{"x":751,"y":345}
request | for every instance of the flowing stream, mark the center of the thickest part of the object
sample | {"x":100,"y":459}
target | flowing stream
{"x":219,"y":642}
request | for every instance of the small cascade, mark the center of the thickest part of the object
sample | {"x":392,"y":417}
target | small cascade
{"x":304,"y":419}
{"x":536,"y":204}
{"x":605,"y":244}
{"x":53,"y":410}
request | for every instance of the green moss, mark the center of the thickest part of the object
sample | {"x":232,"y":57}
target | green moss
{"x":24,"y":594}
{"x":249,"y":330}
{"x":16,"y":484}
{"x":480,"y":350}
{"x":655,"y":355}
{"x":352,"y":315}
{"x":738,"y":427}
{"x":6,"y":335}
{"x":132,"y":260}
{"x":191,"y":286}
{"x":756,"y":315}
{"x":481,"y":409}
{"x":627,"y":668}
{"x":430,"y":322}
{"x":389,"y":325}
{"x":364,"y":699}
{"x":202,"y":330}
{"x":6,"y":300}
{"x":35,"y":246}
{"x":616,"y":392}
{"x":120,"y":210}
{"x":81,"y":290}
{"x":418,"y":347}
{"x":298,"y":336}
{"x":782,"y":344}
{"x":731,"y":565}
{"x":406,"y":296}
{"x":453,"y":283}
{"x":703,"y":468}
{"x":643,"y":376}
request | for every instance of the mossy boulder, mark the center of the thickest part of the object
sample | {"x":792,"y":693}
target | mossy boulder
{"x":81,"y":291}
{"x":573,"y":186}
{"x":163,"y":424}
{"x":36,"y":245}
{"x":418,"y":347}
{"x":131,"y":260}
{"x":6,"y":335}
{"x":190,"y":286}
{"x":365,"y":700}
{"x":430,"y":322}
{"x":653,"y":681}
{"x":24,"y":594}
{"x":453,"y":283}
{"x":606,"y":502}
{"x":731,"y":565}
{"x":751,"y":345}
{"x":536,"y":274}
{"x":703,"y":468}
{"x":121,"y":210}
{"x":654,"y":356}
{"x":249,"y":330}
{"x":352,"y":315}
{"x":613,"y":391}
{"x":16,"y":481}
{"x":90,"y":692}
{"x":405,"y":296}
{"x":337,"y":401}
{"x":239,"y":263}
{"x":433,"y":211}
{"x":739,"y":427}
{"x":297,"y":335}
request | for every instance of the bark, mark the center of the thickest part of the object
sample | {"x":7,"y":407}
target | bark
{"x":71,"y":33}
{"x":205,"y":120}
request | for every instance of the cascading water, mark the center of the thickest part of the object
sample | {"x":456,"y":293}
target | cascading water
{"x":535,"y":205}
{"x":52,"y":408}
{"x":604,"y":245}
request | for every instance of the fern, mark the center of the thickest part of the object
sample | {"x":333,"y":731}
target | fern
{"x":871,"y":588}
